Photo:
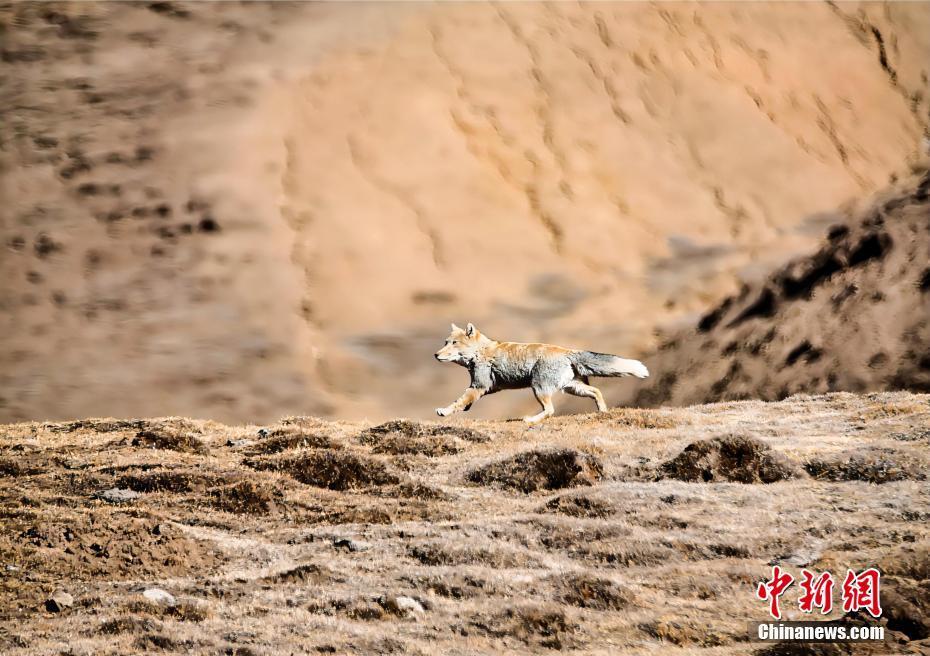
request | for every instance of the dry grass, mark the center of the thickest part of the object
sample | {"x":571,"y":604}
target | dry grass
{"x":588,"y":591}
{"x":404,"y":437}
{"x":645,"y":418}
{"x":246,"y":497}
{"x":167,"y":480}
{"x":289,"y":438}
{"x":331,"y":469}
{"x":170,"y":438}
{"x":735,"y":458}
{"x":548,"y":469}
{"x":534,"y":540}
{"x":872,"y":465}
{"x":879,"y":411}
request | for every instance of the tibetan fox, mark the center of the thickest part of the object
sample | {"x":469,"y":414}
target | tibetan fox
{"x":496,"y":366}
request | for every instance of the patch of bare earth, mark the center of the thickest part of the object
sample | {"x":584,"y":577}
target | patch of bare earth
{"x":414,"y":438}
{"x":735,"y":458}
{"x":331,"y":469}
{"x":548,"y":469}
{"x":623,"y":532}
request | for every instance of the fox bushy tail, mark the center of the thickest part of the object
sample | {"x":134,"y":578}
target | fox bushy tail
{"x":589,"y":363}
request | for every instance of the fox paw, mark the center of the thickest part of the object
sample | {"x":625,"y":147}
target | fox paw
{"x":443,"y":412}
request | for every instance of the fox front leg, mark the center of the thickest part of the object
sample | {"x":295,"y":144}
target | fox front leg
{"x":464,"y":402}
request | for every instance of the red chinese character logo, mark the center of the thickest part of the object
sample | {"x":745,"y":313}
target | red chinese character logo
{"x":775,"y":588}
{"x":816,"y":593}
{"x":861,"y":592}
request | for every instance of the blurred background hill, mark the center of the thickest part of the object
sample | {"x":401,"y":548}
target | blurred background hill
{"x":244,"y":211}
{"x":853,"y":316}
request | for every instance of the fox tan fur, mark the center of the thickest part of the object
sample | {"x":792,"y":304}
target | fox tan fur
{"x":547,"y":369}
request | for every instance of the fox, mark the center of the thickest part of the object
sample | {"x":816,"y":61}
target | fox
{"x":546,"y":368}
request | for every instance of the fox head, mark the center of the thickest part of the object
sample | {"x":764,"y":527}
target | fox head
{"x":462,"y":346}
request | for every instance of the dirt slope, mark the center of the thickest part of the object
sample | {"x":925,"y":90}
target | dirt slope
{"x":635,"y":531}
{"x":855,"y":315}
{"x":240,"y":211}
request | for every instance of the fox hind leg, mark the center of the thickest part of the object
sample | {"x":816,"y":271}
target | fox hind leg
{"x":545,"y":400}
{"x":581,"y":388}
{"x":548,"y":377}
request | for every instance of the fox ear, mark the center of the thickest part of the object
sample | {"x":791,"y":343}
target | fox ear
{"x":470,"y":330}
{"x":456,"y":329}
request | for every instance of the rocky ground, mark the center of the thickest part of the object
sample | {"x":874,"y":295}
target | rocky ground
{"x":634,"y":531}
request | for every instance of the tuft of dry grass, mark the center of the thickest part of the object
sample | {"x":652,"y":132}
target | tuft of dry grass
{"x":447,"y":553}
{"x":246,"y":497}
{"x":157,"y":641}
{"x":308,"y":573}
{"x":593,"y":592}
{"x":290,"y":438}
{"x":684,"y":633}
{"x":540,"y":469}
{"x":429,"y":445}
{"x":128,"y":624}
{"x":96,"y":425}
{"x":535,"y":625}
{"x":644,"y":418}
{"x":451,"y":584}
{"x":335,"y":470}
{"x":579,"y":505}
{"x":10,"y":467}
{"x":182,"y":611}
{"x":414,"y":429}
{"x":413,"y":490}
{"x":170,"y":439}
{"x":735,"y":458}
{"x":886,"y":410}
{"x":875,"y":465}
{"x":167,"y":480}
{"x":405,"y":437}
{"x":187,"y":611}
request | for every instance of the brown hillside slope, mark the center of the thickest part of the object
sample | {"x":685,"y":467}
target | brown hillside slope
{"x":636,"y":531}
{"x":853,"y":316}
{"x":242,"y":211}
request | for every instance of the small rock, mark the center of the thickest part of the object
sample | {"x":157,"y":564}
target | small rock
{"x":915,"y":436}
{"x":800,"y":558}
{"x":159,"y":596}
{"x":12,"y":568}
{"x":59,"y":601}
{"x":409,"y":605}
{"x":262,"y":432}
{"x":239,"y":443}
{"x":118,"y":495}
{"x":351,"y":545}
